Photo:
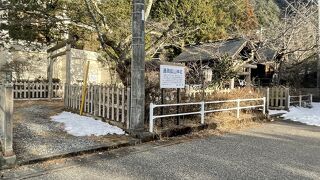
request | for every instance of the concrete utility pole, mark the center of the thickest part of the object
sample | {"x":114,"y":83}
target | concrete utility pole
{"x":137,"y":107}
{"x":318,"y":41}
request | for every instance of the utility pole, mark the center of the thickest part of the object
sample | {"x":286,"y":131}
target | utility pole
{"x":137,"y":107}
{"x":318,"y":42}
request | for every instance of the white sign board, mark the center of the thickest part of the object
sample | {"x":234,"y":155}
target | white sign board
{"x":172,"y":76}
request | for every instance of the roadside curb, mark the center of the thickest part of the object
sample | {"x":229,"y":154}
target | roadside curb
{"x":177,"y":131}
{"x":74,"y":153}
{"x":183,"y":130}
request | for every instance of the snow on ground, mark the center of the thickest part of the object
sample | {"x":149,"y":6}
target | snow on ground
{"x":273,"y":112}
{"x":310,"y":116}
{"x":78,"y":125}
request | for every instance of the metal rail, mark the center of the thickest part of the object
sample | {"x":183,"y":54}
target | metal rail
{"x":203,"y":111}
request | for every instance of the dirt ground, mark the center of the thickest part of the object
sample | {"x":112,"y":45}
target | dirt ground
{"x":35,"y":135}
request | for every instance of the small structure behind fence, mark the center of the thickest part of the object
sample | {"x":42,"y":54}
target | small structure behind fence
{"x":36,"y":90}
{"x":6,"y":123}
{"x":109,"y":102}
{"x":204,"y":109}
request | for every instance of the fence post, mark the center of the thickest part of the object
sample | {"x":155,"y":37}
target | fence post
{"x":28,"y":92}
{"x":300,"y":100}
{"x":264,"y":105}
{"x":311,"y":99}
{"x":287,"y":99}
{"x":128,"y":107}
{"x":268,"y":99}
{"x":65,"y":95}
{"x":7,"y":148}
{"x":95,"y":100}
{"x":238,"y":108}
{"x":151,"y":118}
{"x":202,"y":112}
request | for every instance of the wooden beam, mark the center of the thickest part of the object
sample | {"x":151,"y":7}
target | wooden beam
{"x":244,"y":73}
{"x":68,"y":64}
{"x":252,"y":66}
{"x":60,"y":45}
{"x":58,"y":54}
{"x":50,"y":74}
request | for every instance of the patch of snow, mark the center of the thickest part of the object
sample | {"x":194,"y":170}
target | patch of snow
{"x":77,"y":125}
{"x":309,"y":116}
{"x":273,"y":112}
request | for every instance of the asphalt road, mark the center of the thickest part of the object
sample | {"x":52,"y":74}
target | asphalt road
{"x":272,"y":151}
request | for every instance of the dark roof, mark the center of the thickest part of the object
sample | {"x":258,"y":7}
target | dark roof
{"x":154,"y":65}
{"x":266,"y":54}
{"x":210,"y":51}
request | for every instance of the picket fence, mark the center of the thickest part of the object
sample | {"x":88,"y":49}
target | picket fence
{"x":36,"y":90}
{"x":109,"y":102}
{"x":278,"y":98}
{"x":6,"y":120}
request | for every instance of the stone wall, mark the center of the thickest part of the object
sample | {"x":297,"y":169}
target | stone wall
{"x":36,"y":65}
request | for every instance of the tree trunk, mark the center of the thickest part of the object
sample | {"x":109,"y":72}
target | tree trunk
{"x":123,"y":70}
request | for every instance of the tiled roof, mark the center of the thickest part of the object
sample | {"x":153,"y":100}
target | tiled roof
{"x":210,"y":51}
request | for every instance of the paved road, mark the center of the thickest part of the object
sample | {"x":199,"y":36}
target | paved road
{"x":272,"y":151}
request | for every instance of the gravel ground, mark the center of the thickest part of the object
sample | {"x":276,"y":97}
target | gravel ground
{"x":36,"y":136}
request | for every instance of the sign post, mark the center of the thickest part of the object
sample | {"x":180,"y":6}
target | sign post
{"x":172,"y":77}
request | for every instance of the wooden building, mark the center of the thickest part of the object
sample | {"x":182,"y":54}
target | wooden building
{"x":239,"y":50}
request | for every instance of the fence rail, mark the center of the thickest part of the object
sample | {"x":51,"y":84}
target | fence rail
{"x":36,"y":90}
{"x":300,"y":100}
{"x":109,"y":102}
{"x":203,"y":109}
{"x":6,"y":120}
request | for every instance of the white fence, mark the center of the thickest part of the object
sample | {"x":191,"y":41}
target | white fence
{"x":301,"y":100}
{"x":204,"y":110}
{"x":36,"y":90}
{"x":6,"y":120}
{"x":109,"y":102}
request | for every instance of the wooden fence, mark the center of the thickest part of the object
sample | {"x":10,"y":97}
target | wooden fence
{"x":281,"y":98}
{"x":36,"y":91}
{"x":6,"y":122}
{"x":109,"y":102}
{"x":278,"y":98}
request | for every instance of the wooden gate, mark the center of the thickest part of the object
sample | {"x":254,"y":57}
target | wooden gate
{"x":278,"y":98}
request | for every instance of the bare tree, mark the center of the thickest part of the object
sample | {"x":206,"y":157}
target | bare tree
{"x":295,"y":37}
